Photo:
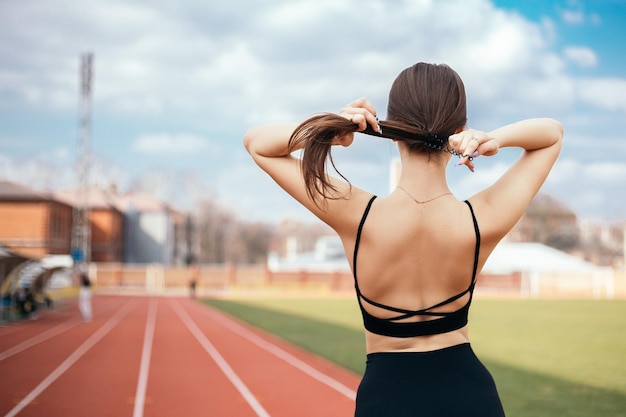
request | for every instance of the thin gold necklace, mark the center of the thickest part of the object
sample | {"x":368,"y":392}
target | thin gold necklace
{"x":419,"y":201}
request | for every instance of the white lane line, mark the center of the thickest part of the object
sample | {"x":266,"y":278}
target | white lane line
{"x":41,"y":337}
{"x":280,"y":353}
{"x":67,"y":363}
{"x":146,"y":352}
{"x":58,"y":329}
{"x":220,"y":361}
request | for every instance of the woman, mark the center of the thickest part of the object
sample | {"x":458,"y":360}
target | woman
{"x":416,"y":252}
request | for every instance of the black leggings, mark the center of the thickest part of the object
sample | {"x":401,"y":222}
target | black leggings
{"x":448,"y":382}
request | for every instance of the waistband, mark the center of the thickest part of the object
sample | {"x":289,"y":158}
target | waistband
{"x":449,"y":349}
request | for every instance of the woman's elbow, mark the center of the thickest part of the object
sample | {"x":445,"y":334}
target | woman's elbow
{"x":556,"y":128}
{"x":249,"y":139}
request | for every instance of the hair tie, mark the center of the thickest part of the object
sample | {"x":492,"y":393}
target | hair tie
{"x":430,"y":140}
{"x":433,"y":136}
{"x":436,"y":142}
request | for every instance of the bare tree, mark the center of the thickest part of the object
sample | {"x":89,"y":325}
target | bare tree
{"x":224,"y":238}
{"x":548,"y":221}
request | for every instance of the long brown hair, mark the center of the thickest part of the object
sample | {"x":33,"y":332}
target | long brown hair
{"x":426,"y":105}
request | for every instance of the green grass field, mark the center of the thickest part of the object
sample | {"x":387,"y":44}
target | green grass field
{"x":550,"y":358}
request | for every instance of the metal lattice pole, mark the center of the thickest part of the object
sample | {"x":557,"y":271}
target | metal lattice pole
{"x":81,"y":227}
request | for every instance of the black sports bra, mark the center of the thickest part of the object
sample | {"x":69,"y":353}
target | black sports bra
{"x":443,"y":323}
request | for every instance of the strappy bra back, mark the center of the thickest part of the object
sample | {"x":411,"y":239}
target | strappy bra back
{"x":440,"y":321}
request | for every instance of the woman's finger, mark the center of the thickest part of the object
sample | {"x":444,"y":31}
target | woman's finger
{"x":360,"y":116}
{"x":361,"y":112}
{"x":363,"y":103}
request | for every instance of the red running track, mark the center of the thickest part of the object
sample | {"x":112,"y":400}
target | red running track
{"x":157,"y":356}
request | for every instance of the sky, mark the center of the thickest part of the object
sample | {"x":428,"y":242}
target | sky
{"x":176,"y":84}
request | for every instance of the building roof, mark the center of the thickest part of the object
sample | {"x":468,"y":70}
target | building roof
{"x":16,"y":192}
{"x":142,"y":203}
{"x":100,"y":198}
{"x":96,"y":198}
{"x":509,"y":257}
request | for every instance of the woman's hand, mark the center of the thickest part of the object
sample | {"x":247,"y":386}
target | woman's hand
{"x":470,"y":144}
{"x":360,"y":112}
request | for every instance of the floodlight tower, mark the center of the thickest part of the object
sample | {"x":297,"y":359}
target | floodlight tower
{"x":81,"y":227}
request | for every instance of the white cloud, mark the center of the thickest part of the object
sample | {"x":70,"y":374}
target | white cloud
{"x":258,"y":199}
{"x":572,"y":17}
{"x":279,"y":59}
{"x":593,"y":190}
{"x":156,"y":61}
{"x":464,"y":184}
{"x":582,"y":56}
{"x":576,"y":15}
{"x":170,"y":144}
{"x":611,"y":172}
{"x":549,"y":29}
{"x":603,"y":93}
{"x":209,"y":70}
{"x":595,"y":18}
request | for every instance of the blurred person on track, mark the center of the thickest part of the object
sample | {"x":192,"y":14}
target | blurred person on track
{"x":84,"y":297}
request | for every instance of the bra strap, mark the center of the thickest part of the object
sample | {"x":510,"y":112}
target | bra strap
{"x":477,"y":249}
{"x":358,"y":240}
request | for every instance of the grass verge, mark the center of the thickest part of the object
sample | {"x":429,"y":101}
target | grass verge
{"x":549,"y":357}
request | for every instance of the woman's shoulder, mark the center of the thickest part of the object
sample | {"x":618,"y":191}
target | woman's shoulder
{"x":344,"y":214}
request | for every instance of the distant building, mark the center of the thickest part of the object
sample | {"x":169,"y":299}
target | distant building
{"x":155,"y":232}
{"x":107,"y":224}
{"x":135,"y":228}
{"x":327,"y":256}
{"x":603,"y":243}
{"x":543,"y":269}
{"x":131,"y":228}
{"x":33,"y":224}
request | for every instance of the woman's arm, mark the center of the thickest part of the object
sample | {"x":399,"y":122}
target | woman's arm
{"x":269,"y":141}
{"x":271,"y":148}
{"x":504,"y":202}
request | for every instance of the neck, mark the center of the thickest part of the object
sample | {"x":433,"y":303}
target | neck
{"x":424,"y":174}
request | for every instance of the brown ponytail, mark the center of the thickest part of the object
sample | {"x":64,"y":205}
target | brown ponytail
{"x":315,"y":136}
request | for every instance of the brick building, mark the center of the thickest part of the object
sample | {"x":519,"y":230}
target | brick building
{"x":33,"y":224}
{"x":107,"y":224}
{"x":36,"y":224}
